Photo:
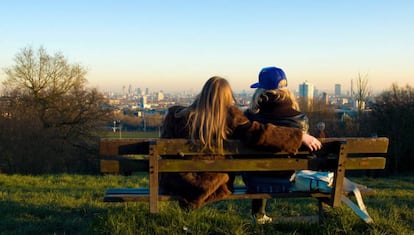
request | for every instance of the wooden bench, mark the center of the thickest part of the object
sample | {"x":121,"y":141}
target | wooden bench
{"x":125,"y":156}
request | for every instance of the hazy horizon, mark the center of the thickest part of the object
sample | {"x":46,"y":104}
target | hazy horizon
{"x":176,"y":45}
{"x":345,"y":90}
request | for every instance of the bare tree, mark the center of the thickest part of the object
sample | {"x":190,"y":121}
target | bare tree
{"x":361,"y":95}
{"x":362,"y":90}
{"x":50,"y":94}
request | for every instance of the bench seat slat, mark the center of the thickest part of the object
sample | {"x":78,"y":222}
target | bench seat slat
{"x":142,"y":194}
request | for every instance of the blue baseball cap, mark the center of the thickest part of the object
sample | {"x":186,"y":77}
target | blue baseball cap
{"x":271,"y":78}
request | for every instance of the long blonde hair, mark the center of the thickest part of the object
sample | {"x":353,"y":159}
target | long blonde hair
{"x":280,"y":94}
{"x":209,"y":114}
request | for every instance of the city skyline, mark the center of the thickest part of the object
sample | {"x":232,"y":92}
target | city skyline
{"x":337,"y":90}
{"x":175,"y":46}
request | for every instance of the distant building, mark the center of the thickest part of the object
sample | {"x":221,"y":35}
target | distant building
{"x":306,"y":93}
{"x":114,"y":102}
{"x":324,"y":98}
{"x":337,"y":90}
{"x":143,"y":102}
{"x":160,"y":96}
{"x":306,"y":90}
{"x":352,"y":88}
{"x":315,"y":92}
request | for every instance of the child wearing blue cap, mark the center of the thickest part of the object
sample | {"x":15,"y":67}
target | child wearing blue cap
{"x":273,"y":103}
{"x":271,"y":78}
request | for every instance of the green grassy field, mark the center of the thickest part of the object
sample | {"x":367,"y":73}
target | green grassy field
{"x":72,"y":204}
{"x":130,"y":134}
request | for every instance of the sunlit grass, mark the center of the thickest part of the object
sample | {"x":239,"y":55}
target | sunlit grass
{"x":72,"y":204}
{"x":130,"y":134}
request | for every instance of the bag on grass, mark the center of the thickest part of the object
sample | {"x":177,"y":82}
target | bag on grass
{"x":319,"y":181}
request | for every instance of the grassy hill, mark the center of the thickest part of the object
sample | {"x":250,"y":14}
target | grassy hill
{"x":72,"y":204}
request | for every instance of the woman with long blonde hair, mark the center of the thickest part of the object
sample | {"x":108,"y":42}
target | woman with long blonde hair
{"x":209,"y":112}
{"x":211,"y":119}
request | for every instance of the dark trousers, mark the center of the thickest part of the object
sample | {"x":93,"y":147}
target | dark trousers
{"x":259,"y":207}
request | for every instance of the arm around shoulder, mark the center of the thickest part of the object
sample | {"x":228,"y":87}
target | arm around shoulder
{"x":258,"y":134}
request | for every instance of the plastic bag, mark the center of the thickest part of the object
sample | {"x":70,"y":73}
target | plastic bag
{"x":320,"y":181}
{"x":312,"y":181}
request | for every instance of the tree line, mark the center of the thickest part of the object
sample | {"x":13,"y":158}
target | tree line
{"x":50,"y":121}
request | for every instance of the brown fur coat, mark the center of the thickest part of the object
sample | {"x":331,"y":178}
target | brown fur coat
{"x":197,"y":189}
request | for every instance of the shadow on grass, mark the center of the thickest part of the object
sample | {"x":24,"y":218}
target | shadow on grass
{"x":18,"y":218}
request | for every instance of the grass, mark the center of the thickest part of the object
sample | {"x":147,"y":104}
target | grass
{"x":130,"y":134}
{"x":72,"y":204}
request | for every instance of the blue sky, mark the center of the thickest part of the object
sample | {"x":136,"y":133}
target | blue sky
{"x":174,"y":45}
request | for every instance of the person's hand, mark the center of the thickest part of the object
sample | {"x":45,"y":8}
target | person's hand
{"x":311,"y":142}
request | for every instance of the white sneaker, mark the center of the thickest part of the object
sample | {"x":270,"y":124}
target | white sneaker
{"x":262,"y":220}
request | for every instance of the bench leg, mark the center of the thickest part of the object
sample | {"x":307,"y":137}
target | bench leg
{"x":153,"y":180}
{"x":322,"y":205}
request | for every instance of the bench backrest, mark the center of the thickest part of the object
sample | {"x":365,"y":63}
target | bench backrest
{"x":362,"y":153}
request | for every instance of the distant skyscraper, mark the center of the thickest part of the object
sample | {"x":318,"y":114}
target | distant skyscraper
{"x":324,"y":98}
{"x":306,"y":93}
{"x":160,"y":96}
{"x":352,"y":88}
{"x":337,"y":90}
{"x":306,"y":90}
{"x":315,"y":92}
{"x":143,"y":101}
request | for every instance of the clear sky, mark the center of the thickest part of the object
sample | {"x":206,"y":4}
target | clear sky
{"x":176,"y":45}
